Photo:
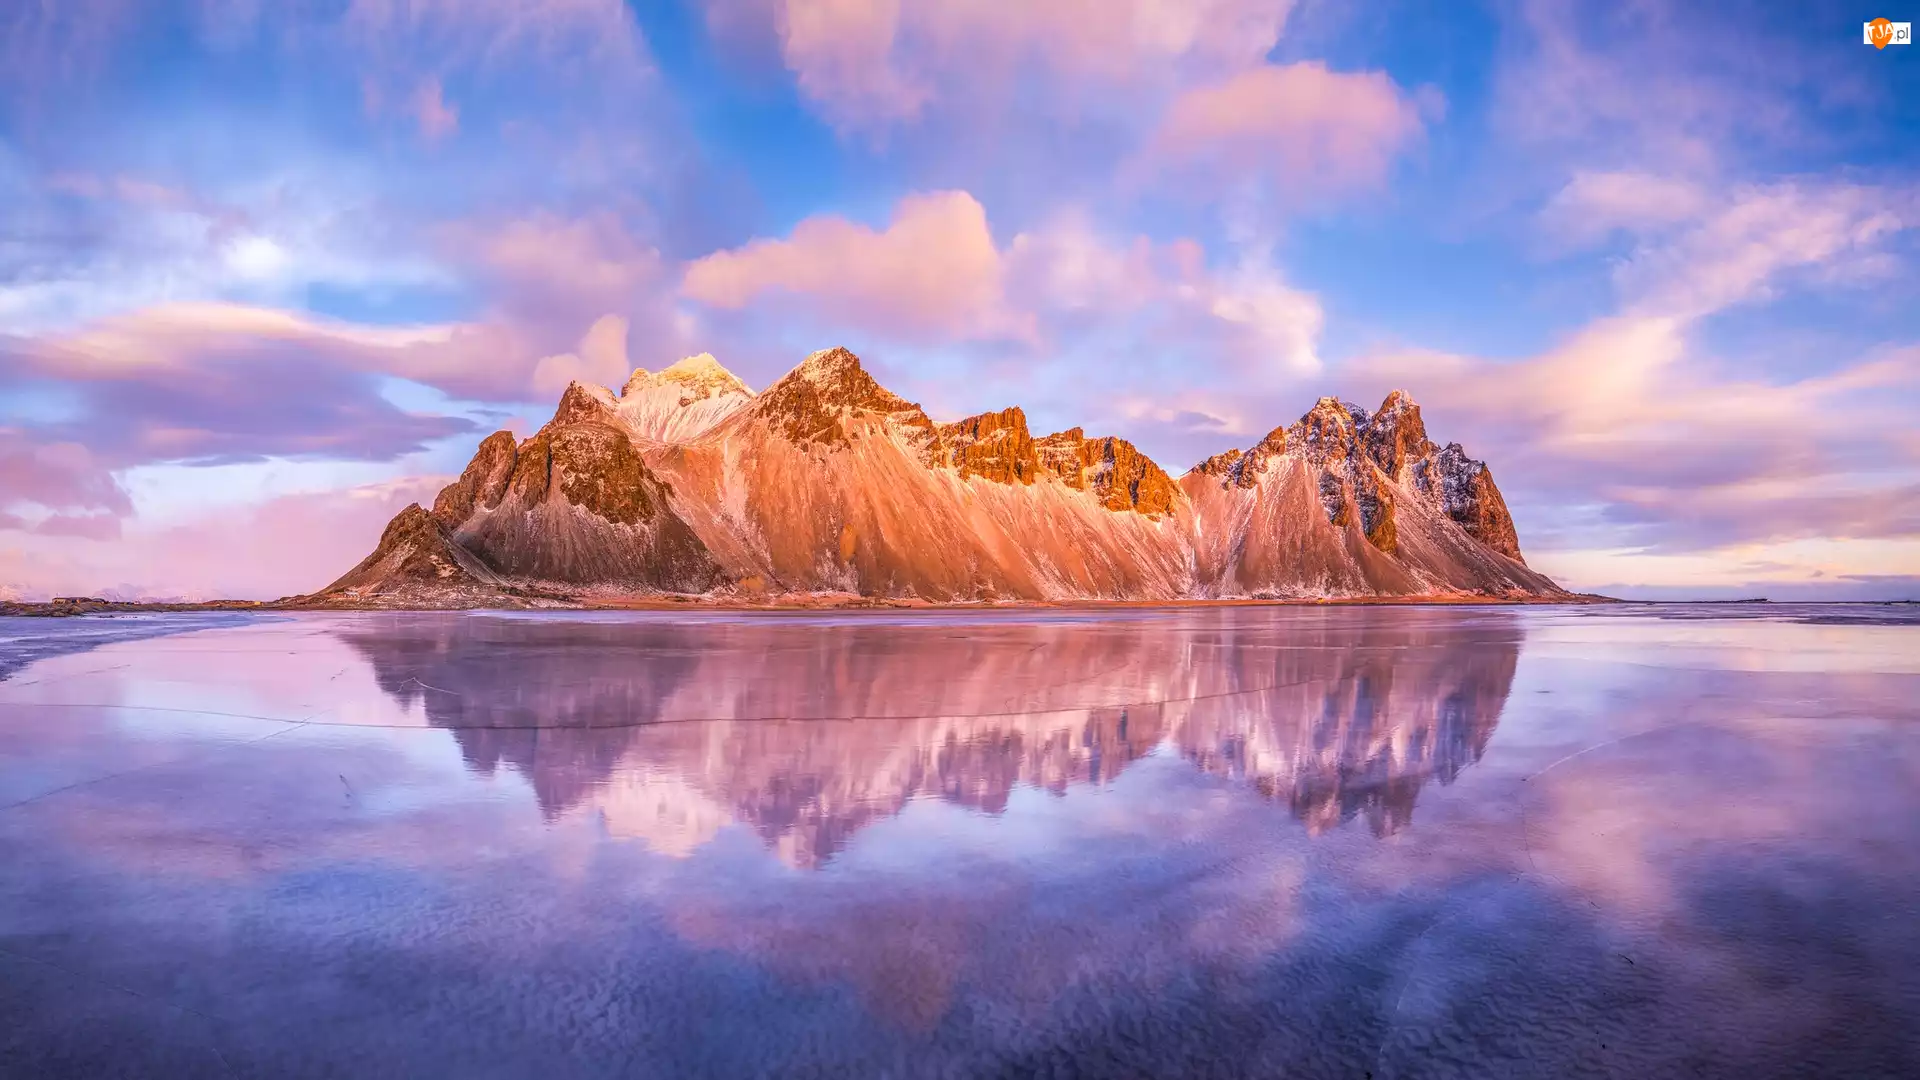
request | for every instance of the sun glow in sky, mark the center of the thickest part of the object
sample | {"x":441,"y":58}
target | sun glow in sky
{"x":269,"y":271}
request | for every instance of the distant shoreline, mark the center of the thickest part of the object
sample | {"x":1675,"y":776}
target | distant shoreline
{"x":68,"y":607}
{"x":72,"y":606}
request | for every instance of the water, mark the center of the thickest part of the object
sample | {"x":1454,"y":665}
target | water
{"x":1339,"y":842}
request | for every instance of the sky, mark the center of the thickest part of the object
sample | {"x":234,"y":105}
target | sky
{"x":270,"y":270}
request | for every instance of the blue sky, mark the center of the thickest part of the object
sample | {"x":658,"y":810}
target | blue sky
{"x":269,"y":271}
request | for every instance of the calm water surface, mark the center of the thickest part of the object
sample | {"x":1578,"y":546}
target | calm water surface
{"x":1343,"y":842}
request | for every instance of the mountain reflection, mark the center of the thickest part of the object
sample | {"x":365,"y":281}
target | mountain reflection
{"x":806,"y":731}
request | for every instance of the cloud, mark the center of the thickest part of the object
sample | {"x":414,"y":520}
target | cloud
{"x":870,"y":64}
{"x":1595,"y":204}
{"x":42,"y":45}
{"x":1296,"y":127}
{"x":548,"y":270}
{"x":436,"y":117}
{"x":935,"y":275}
{"x":216,"y":383}
{"x":61,"y":487}
{"x":45,"y":45}
{"x":85,"y":245}
{"x":291,"y":544}
{"x":598,"y":35}
{"x":1737,"y":250}
{"x":1674,"y":454}
{"x":1628,"y":434}
{"x":601,"y":360}
{"x":932,"y":273}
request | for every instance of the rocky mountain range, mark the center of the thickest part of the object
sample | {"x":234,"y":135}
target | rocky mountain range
{"x":826,"y":484}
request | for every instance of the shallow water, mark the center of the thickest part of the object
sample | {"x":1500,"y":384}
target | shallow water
{"x":1337,"y":842}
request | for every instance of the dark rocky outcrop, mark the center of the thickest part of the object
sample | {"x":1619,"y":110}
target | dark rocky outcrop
{"x":415,"y":554}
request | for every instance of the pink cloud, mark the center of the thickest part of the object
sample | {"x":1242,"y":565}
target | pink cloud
{"x":1623,"y":416}
{"x":1738,"y":248}
{"x":583,"y":266}
{"x":99,"y":525}
{"x":42,"y":45}
{"x":219,"y":382}
{"x":287,"y":545}
{"x":1594,"y":204}
{"x":79,"y":495}
{"x":234,"y":364}
{"x":1658,"y":86}
{"x":437,"y":119}
{"x":935,"y":274}
{"x":1298,"y":127}
{"x":599,"y":33}
{"x":932,"y":272}
{"x":867,"y":64}
{"x":600,"y":359}
{"x":127,"y":189}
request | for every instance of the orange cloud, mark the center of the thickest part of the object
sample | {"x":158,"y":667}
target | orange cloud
{"x":1297,"y":126}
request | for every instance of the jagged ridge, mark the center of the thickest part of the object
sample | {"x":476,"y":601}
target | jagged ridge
{"x":688,"y":482}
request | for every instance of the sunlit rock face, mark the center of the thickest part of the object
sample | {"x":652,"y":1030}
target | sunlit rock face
{"x":827,"y":483}
{"x":672,"y":732}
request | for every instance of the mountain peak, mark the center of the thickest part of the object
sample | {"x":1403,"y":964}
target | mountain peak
{"x":1396,"y":435}
{"x":806,"y":402}
{"x":701,"y":374}
{"x":835,"y":363}
{"x":583,"y":401}
{"x":1396,"y":401}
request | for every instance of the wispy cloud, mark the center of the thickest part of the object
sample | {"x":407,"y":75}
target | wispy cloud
{"x":873,"y":63}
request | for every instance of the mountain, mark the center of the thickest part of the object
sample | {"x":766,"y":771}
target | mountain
{"x":688,"y":483}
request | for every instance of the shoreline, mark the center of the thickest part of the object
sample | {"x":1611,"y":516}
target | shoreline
{"x":76,"y":606}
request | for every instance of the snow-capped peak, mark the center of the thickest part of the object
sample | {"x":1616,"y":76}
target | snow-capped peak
{"x":701,"y":375}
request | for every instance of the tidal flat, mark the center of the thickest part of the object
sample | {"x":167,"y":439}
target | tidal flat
{"x":1608,"y":841}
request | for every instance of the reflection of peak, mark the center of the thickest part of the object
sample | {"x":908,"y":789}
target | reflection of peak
{"x":672,"y":731}
{"x":1364,"y":737}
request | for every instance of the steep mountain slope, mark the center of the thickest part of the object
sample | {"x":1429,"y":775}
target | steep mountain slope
{"x":827,"y":482}
{"x":1345,"y":502}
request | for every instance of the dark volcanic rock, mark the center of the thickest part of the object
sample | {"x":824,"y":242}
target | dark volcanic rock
{"x":1470,"y":498}
{"x":415,"y":550}
{"x":482,"y":485}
